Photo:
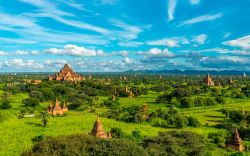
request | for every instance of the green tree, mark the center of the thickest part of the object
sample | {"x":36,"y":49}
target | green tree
{"x":5,"y":101}
{"x":44,"y":118}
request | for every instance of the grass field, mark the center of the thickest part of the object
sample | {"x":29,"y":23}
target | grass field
{"x":16,"y":134}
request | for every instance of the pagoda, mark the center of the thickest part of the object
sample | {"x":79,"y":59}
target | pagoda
{"x":98,"y":131}
{"x":208,"y":80}
{"x":57,"y":109}
{"x":66,"y":74}
{"x":235,"y":142}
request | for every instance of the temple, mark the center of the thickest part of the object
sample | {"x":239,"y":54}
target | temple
{"x":66,"y":74}
{"x":57,"y":109}
{"x":235,"y":142}
{"x":209,"y":81}
{"x":98,"y":131}
{"x":130,"y":93}
{"x":230,"y":81}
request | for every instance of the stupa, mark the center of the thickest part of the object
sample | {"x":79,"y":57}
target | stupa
{"x":98,"y":131}
{"x":235,"y":142}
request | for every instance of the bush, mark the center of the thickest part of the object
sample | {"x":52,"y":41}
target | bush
{"x":85,"y":145}
{"x":5,"y":104}
{"x":193,"y":122}
{"x":176,"y":144}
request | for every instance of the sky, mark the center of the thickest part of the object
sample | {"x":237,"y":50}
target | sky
{"x":121,"y":35}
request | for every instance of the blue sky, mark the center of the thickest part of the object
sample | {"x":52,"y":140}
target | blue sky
{"x":120,"y":35}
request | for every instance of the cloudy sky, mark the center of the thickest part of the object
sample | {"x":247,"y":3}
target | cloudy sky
{"x":120,"y":35}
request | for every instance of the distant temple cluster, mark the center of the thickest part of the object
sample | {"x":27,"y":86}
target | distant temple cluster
{"x":66,"y":74}
{"x":57,"y":109}
{"x":98,"y":131}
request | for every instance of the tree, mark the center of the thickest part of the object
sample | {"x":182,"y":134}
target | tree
{"x":5,"y":101}
{"x":30,"y":102}
{"x":44,"y":118}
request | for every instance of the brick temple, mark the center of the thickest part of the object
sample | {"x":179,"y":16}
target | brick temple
{"x":66,"y":74}
{"x":57,"y":109}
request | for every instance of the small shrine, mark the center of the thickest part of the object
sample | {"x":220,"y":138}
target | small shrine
{"x":57,"y":109}
{"x":98,"y":131}
{"x":235,"y":142}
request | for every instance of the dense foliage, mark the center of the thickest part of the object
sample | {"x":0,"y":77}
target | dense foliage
{"x":167,"y":143}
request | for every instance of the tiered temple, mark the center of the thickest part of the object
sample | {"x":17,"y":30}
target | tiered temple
{"x":66,"y":74}
{"x":57,"y":109}
{"x":209,"y":81}
{"x":98,"y":131}
{"x":235,"y":143}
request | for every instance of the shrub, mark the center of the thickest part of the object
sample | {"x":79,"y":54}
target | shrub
{"x":85,"y":145}
{"x":193,"y":122}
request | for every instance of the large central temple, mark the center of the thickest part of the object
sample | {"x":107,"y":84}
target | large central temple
{"x":66,"y":74}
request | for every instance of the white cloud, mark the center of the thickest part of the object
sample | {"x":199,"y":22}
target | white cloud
{"x":194,"y":2}
{"x":130,"y":44}
{"x":170,"y":42}
{"x":155,"y":52}
{"x":74,"y":50}
{"x":200,"y":39}
{"x":171,"y":8}
{"x":128,"y":32}
{"x":21,"y":52}
{"x":202,"y":18}
{"x":34,"y":52}
{"x":243,"y":42}
{"x":19,"y":63}
{"x":120,"y":53}
{"x":2,"y":53}
{"x":127,"y":60}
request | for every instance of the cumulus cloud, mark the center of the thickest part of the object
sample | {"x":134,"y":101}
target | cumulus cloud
{"x":243,"y":42}
{"x":155,"y":52}
{"x":171,"y":8}
{"x":74,"y":50}
{"x":199,"y":39}
{"x":202,"y":18}
{"x":20,"y":63}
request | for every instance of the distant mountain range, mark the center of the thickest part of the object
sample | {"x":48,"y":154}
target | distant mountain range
{"x":188,"y":72}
